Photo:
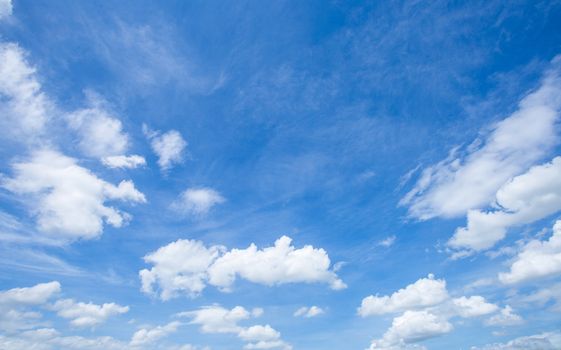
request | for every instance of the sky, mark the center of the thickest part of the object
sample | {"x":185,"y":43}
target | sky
{"x":196,"y":175}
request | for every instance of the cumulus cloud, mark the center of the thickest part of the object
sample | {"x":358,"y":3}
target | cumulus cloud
{"x":145,"y":336}
{"x":36,"y":295}
{"x":197,"y":201}
{"x":87,"y":314}
{"x":169,"y":147}
{"x":459,"y":183}
{"x":216,"y":319}
{"x":124,"y":162}
{"x":186,"y":266}
{"x":309,"y":312}
{"x":506,"y":317}
{"x":426,"y":308}
{"x":412,"y":326}
{"x":544,"y":341}
{"x":67,"y":199}
{"x":101,"y":134}
{"x":424,"y":292}
{"x":537,"y":259}
{"x":24,"y":107}
{"x":524,"y":199}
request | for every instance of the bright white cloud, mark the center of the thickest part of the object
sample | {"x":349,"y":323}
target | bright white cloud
{"x":186,"y":266}
{"x":457,"y":184}
{"x":87,"y":314}
{"x":387,"y":242}
{"x":506,"y":317}
{"x":69,"y":200}
{"x":179,"y":267}
{"x":524,"y":199}
{"x":145,"y":336}
{"x":197,"y":201}
{"x":5,"y":9}
{"x":411,"y":327}
{"x":124,"y":162}
{"x":537,"y":259}
{"x":25,"y":109}
{"x":309,"y":312}
{"x":544,"y":341}
{"x":36,"y":295}
{"x":473,"y":306}
{"x":101,"y":134}
{"x":169,"y":147}
{"x":425,"y":292}
{"x":216,"y":319}
{"x":50,"y":339}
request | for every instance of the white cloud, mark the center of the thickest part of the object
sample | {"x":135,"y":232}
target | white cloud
{"x":50,"y":339}
{"x":412,"y":326}
{"x":87,"y":314}
{"x":216,"y":319}
{"x":146,"y":336}
{"x":186,"y":266}
{"x":387,"y":242}
{"x":544,"y":295}
{"x":69,"y":200}
{"x":473,"y":306}
{"x":36,"y":295}
{"x":5,"y":8}
{"x":197,"y":201}
{"x":506,"y":317}
{"x":179,"y":267}
{"x":169,"y":147}
{"x":309,"y":312}
{"x":457,"y":184}
{"x":544,"y":341}
{"x":537,"y":259}
{"x":130,"y":162}
{"x":425,"y":292}
{"x":101,"y":134}
{"x":524,"y":199}
{"x":24,"y":107}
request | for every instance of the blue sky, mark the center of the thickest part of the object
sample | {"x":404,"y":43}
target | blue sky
{"x":280,"y":175}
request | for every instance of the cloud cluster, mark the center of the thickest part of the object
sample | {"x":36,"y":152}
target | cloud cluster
{"x":169,"y":147}
{"x":67,"y":199}
{"x":537,"y":259}
{"x":186,"y":266}
{"x":87,"y":314}
{"x":426,"y":310}
{"x":309,"y":312}
{"x":457,"y":184}
{"x":216,"y":319}
{"x":544,"y":341}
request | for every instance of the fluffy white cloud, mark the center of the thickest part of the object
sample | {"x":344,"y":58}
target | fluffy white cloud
{"x":101,"y":134}
{"x":197,"y":201}
{"x":186,"y":266}
{"x":169,"y":147}
{"x":524,"y":199}
{"x":456,"y":184}
{"x":87,"y":314}
{"x":424,"y":292}
{"x":146,"y":336}
{"x":544,"y":341}
{"x":25,"y":109}
{"x":544,"y":295}
{"x":5,"y":8}
{"x":473,"y":306}
{"x":69,"y":200}
{"x":427,"y":310}
{"x":130,"y":162}
{"x":179,"y":267}
{"x":216,"y":319}
{"x":50,"y":339}
{"x":506,"y":317}
{"x":36,"y":295}
{"x":412,"y":326}
{"x":309,"y":312}
{"x":537,"y":259}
